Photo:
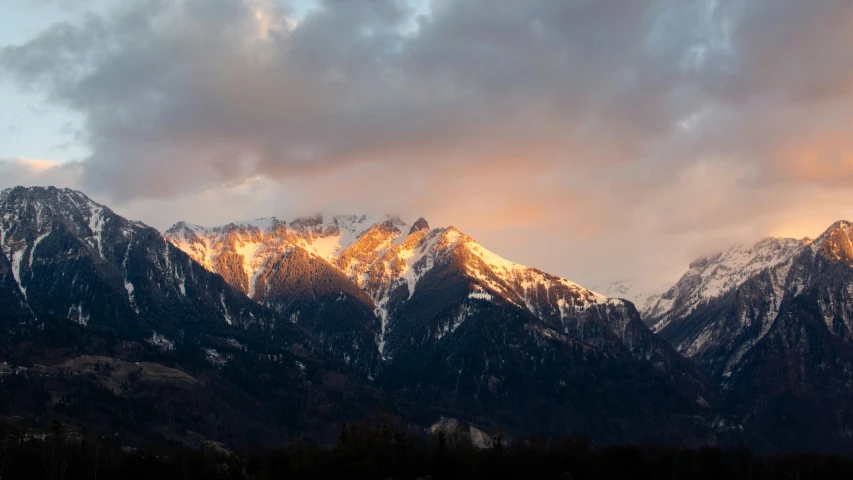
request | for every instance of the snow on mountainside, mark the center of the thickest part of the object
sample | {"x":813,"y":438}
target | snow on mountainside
{"x":255,"y":243}
{"x":407,"y":262}
{"x":773,"y":325}
{"x":374,"y":253}
{"x":371,"y":250}
{"x":426,"y":314}
{"x":706,"y":322}
{"x":70,"y":256}
{"x":433,"y":312}
{"x":712,"y":276}
{"x":27,"y":219}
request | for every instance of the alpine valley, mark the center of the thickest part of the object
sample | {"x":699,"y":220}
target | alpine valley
{"x":257,"y":332}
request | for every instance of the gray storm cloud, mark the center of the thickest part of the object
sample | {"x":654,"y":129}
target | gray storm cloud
{"x":638,"y":132}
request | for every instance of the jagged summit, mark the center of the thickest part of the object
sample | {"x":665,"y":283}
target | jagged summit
{"x":371,"y":250}
{"x":835,"y":243}
{"x":317,"y":223}
{"x":419,"y":225}
{"x":256,"y":241}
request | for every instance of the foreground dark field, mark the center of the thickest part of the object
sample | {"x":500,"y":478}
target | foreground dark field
{"x":375,"y":451}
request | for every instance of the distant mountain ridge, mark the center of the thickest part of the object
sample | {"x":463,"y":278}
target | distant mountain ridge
{"x":707,"y":277}
{"x":771,"y":323}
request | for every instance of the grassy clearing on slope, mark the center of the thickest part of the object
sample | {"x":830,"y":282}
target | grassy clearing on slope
{"x":112,"y":373}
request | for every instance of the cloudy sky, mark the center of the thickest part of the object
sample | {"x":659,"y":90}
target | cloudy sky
{"x":595,"y":139}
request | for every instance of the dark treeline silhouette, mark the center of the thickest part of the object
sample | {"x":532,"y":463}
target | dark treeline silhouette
{"x":385,"y":451}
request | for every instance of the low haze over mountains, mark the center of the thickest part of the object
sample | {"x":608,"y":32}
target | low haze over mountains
{"x":274,"y":328}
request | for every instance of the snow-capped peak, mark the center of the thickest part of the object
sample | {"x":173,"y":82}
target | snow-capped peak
{"x":324,"y":235}
{"x":523,"y":280}
{"x":715,"y":275}
{"x":729,"y":268}
{"x":28,"y":217}
{"x":257,"y":242}
{"x":376,"y":255}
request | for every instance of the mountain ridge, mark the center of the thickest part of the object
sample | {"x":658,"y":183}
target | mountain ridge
{"x":348,"y":314}
{"x":432,"y":290}
{"x":371,"y":251}
{"x":771,"y":323}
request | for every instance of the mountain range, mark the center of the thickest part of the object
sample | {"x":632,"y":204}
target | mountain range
{"x":433,"y":315}
{"x":770,"y":323}
{"x":257,"y":332}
